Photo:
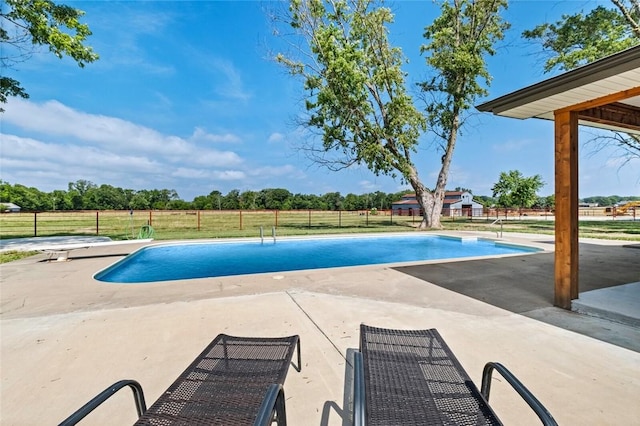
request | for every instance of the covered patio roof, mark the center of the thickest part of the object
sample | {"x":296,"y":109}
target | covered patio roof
{"x":604,"y":94}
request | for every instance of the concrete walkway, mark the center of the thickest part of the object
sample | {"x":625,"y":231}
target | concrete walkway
{"x":65,"y":337}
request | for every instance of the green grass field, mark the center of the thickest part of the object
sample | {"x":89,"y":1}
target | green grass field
{"x":227,"y":224}
{"x":196,"y":224}
{"x":169,"y":225}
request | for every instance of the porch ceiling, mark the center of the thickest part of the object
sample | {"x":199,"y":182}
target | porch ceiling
{"x":605,"y":92}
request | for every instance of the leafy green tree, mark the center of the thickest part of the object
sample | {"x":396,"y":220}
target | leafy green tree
{"x":300,"y":202}
{"x":179,"y":205}
{"x":275,"y":198}
{"x":215,"y":198}
{"x":550,"y":202}
{"x":28,"y":198}
{"x":248,"y":200}
{"x":107,"y":197}
{"x":231,"y":201}
{"x":201,"y":202}
{"x":485,"y":200}
{"x":352,"y":202}
{"x":357,"y":94}
{"x":29,"y":23}
{"x":139,"y":201}
{"x":380,"y":200}
{"x":459,"y":41}
{"x":579,"y":39}
{"x":5,"y":192}
{"x":515,"y":190}
{"x":332,"y":201}
{"x":60,"y":200}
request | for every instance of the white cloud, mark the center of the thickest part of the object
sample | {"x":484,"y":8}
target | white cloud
{"x":288,"y":171}
{"x":52,"y":117}
{"x":233,"y":87}
{"x":214,"y":159}
{"x":27,"y":153}
{"x":120,"y":137}
{"x":368,"y":186}
{"x":201,"y":134}
{"x":59,"y":145}
{"x":276,"y":137}
{"x":229,"y":175}
{"x":224,"y":175}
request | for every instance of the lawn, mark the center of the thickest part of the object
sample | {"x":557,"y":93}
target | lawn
{"x":167,"y":225}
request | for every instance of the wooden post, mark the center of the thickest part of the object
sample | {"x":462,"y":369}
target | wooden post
{"x":566,"y":175}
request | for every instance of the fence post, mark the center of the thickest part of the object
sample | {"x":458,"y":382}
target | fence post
{"x":97,"y":223}
{"x":309,"y":218}
{"x":150,"y":216}
{"x":276,"y":218}
{"x":339,"y":218}
{"x":391,"y":219}
{"x":241,"y":220}
{"x":198,"y":213}
{"x":35,"y":224}
{"x":367,"y":216}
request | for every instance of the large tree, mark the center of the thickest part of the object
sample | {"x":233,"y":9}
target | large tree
{"x":578,"y":39}
{"x":515,"y":190}
{"x":459,"y":40}
{"x":357,"y":96}
{"x":26,"y":24}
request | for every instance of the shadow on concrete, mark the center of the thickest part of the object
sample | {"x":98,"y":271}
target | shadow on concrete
{"x":524,"y":283}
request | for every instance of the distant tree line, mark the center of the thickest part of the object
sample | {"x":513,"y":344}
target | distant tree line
{"x":608,"y":201}
{"x":85,"y":195}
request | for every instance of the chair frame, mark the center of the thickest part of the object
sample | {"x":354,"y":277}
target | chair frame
{"x":226,"y":376}
{"x":409,"y":353}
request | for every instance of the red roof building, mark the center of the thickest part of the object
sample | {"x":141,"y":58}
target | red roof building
{"x":456,"y":203}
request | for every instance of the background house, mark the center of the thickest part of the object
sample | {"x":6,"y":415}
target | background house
{"x":9,"y":207}
{"x":456,"y":203}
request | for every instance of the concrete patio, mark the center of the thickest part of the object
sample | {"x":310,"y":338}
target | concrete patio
{"x":65,"y":337}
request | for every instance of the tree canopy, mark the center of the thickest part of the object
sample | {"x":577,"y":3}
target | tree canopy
{"x":515,"y":190}
{"x":85,"y":195}
{"x":581,"y":38}
{"x":357,"y":97}
{"x":27,"y":24}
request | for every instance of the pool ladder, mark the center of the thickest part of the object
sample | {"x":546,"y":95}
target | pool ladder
{"x":498,"y":234}
{"x":273,"y":234}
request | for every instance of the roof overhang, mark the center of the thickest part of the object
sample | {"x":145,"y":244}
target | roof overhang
{"x":605,"y":93}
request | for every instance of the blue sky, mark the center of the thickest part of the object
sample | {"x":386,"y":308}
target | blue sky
{"x":185,"y":97}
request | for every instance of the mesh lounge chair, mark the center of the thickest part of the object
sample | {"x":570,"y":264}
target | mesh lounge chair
{"x":411,"y":377}
{"x":234,"y":381}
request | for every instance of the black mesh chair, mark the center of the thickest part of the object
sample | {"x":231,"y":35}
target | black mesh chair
{"x":234,"y":381}
{"x":411,"y":377}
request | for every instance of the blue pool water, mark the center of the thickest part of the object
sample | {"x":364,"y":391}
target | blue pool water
{"x":203,"y":260}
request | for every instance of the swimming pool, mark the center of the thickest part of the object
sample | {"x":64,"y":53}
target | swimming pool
{"x":165,"y":262}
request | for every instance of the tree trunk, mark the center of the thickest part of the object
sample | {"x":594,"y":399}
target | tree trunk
{"x":424,"y":197}
{"x":441,"y":184}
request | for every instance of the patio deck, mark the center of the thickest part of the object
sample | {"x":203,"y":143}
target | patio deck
{"x":65,"y":337}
